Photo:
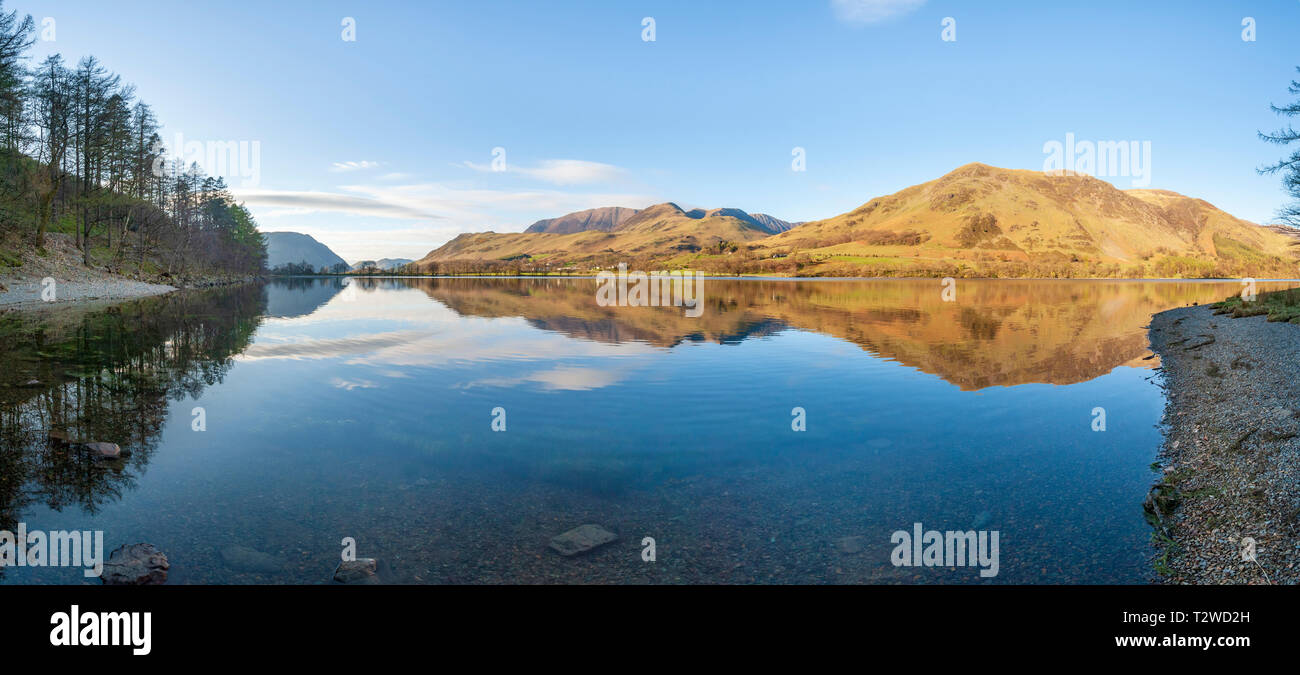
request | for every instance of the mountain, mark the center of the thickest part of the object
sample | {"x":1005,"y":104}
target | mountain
{"x":611,"y":218}
{"x":773,"y":225}
{"x":977,"y":220}
{"x":1031,"y":223}
{"x":283,"y":248}
{"x":664,"y":232}
{"x":385,"y":264}
{"x":601,"y":220}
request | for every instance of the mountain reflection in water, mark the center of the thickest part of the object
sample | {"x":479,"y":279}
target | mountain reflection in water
{"x":361,"y":407}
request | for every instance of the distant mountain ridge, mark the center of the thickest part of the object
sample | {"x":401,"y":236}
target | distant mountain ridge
{"x":976,"y":220}
{"x":614,"y":218}
{"x":283,"y":248}
{"x":660,"y":231}
{"x":385,"y":264}
{"x":602,"y":219}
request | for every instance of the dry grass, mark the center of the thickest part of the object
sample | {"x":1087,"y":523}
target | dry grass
{"x":1277,"y":305}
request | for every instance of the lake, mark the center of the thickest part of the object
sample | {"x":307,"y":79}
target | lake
{"x":266,"y":423}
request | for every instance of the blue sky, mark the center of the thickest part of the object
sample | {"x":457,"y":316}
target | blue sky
{"x":383,"y":146}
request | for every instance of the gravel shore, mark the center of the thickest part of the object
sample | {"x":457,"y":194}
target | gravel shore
{"x":1231,"y":461}
{"x":23,"y":294}
{"x":21,"y":287}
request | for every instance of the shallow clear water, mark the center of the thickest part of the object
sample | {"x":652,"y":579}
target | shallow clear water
{"x":363,"y":408}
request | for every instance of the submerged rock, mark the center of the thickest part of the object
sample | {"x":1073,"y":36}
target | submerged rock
{"x":362,"y":571}
{"x":245,"y":559}
{"x":581,"y":539}
{"x":60,"y":438}
{"x":1162,"y":499}
{"x":135,"y":565}
{"x":103,"y":450}
{"x":851,"y":545}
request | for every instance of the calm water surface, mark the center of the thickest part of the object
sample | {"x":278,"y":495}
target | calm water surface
{"x":363,"y":408}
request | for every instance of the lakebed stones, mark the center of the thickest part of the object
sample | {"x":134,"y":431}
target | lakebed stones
{"x":100,"y":450}
{"x":135,"y":565}
{"x":245,"y":559}
{"x":851,"y":545}
{"x":359,"y":572}
{"x":581,"y":539}
{"x":61,"y":439}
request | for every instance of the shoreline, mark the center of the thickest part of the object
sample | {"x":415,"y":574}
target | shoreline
{"x":76,"y":284}
{"x":1230,"y":462}
{"x":759,"y":277}
{"x":25,"y":294}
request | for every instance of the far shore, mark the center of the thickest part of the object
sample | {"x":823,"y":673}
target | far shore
{"x":25,"y":293}
{"x":760,"y":277}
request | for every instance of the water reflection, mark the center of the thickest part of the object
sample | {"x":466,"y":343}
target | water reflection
{"x":292,"y":297}
{"x":105,"y":375}
{"x":360,"y":407}
{"x":995,"y":333}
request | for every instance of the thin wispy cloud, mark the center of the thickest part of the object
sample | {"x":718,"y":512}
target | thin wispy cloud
{"x":342,"y":167}
{"x":290,"y":202}
{"x":862,"y":12}
{"x":423,"y":201}
{"x":432,"y":212}
{"x":560,"y":171}
{"x":466,"y":209}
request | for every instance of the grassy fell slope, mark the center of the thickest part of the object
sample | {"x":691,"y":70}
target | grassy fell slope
{"x":977,"y":220}
{"x":1003,"y":222}
{"x":661,"y":232}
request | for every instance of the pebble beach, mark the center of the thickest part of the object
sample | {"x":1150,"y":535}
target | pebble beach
{"x":1230,"y":466}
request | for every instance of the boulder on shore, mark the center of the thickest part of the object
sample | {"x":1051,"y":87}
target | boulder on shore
{"x":135,"y":565}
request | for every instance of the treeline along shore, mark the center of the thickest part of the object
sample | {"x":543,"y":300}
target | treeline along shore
{"x":88,"y":193}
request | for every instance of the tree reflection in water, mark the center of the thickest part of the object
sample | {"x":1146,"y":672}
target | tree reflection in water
{"x":106,"y":375}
